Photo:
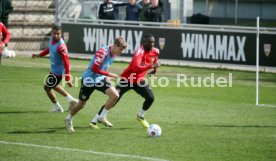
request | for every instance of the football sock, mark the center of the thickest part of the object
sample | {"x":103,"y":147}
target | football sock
{"x":69,"y":117}
{"x":103,"y":113}
{"x":101,"y":110}
{"x":95,"y":119}
{"x":57,"y":105}
{"x":70,"y":98}
{"x":141,"y":113}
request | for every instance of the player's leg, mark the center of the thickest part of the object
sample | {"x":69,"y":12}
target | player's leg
{"x":106,"y":87}
{"x":1,"y":51}
{"x":52,"y":96}
{"x":84,"y":95}
{"x":72,"y":101}
{"x":112,"y":98}
{"x":50,"y":83}
{"x":148,"y":95}
{"x":103,"y":111}
{"x":121,"y":88}
{"x":143,"y":90}
{"x":0,"y":57}
{"x":69,"y":118}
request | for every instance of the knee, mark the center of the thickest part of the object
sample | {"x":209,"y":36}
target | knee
{"x":150,"y":98}
{"x":115,"y":96}
{"x":80,"y":104}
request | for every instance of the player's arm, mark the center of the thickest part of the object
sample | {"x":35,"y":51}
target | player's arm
{"x":6,"y":33}
{"x":99,"y":58}
{"x":155,"y":63}
{"x":63,"y":52}
{"x":96,"y":69}
{"x":153,"y":71}
{"x":137,"y":65}
{"x":42,"y":53}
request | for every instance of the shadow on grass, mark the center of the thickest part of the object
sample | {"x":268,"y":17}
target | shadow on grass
{"x":89,"y":128}
{"x":56,"y":129}
{"x":21,"y":112}
{"x":46,"y":131}
{"x":32,"y":132}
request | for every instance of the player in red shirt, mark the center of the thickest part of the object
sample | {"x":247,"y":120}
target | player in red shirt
{"x":60,"y":66}
{"x":133,"y":77}
{"x":4,"y":38}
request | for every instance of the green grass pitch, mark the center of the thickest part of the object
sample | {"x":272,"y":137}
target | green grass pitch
{"x":198,"y":123}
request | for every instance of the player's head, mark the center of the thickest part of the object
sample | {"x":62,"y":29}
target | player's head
{"x":119,"y":46}
{"x":148,"y":42}
{"x":131,"y":2}
{"x":56,"y":33}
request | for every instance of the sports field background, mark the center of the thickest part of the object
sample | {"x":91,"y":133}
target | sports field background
{"x":199,"y":124}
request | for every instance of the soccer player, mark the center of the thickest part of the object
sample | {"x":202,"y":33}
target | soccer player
{"x":60,"y":66}
{"x":4,"y":38}
{"x":133,"y":77}
{"x":96,"y":77}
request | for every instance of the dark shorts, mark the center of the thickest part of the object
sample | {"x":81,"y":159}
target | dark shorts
{"x":52,"y":80}
{"x":87,"y":90}
{"x":141,"y":88}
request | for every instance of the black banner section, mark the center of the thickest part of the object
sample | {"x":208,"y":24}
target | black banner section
{"x":175,"y":43}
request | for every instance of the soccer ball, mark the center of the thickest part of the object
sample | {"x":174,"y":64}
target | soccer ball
{"x":154,"y":130}
{"x":12,"y":53}
{"x":6,"y":54}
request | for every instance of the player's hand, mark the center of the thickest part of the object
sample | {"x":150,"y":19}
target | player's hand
{"x":156,"y":65}
{"x":70,"y":84}
{"x":2,"y":45}
{"x":113,"y":76}
{"x":152,"y":72}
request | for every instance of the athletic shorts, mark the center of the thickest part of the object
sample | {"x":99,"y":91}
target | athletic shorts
{"x":52,"y":80}
{"x":86,"y":91}
{"x":142,"y":88}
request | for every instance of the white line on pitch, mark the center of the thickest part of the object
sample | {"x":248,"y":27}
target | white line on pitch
{"x":266,"y":105}
{"x":82,"y":151}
